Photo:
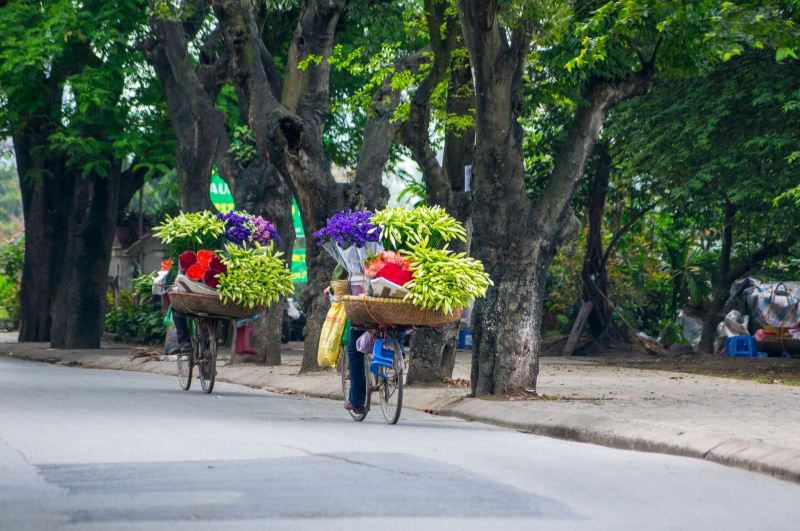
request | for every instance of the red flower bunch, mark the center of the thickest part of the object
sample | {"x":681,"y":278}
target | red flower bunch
{"x":203,"y":265}
{"x":391,"y":266}
{"x":166,"y":265}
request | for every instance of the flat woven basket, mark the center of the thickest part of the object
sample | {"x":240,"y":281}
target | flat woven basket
{"x":363,"y":310}
{"x":208,"y":305}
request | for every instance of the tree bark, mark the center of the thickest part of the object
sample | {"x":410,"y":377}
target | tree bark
{"x":45,"y":203}
{"x":78,"y":311}
{"x":514,"y":237}
{"x":260,"y":190}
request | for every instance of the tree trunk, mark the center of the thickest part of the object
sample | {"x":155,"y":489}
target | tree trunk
{"x":79,"y":307}
{"x":723,"y":282}
{"x":260,"y":190}
{"x":594,"y":274}
{"x":508,"y":321}
{"x":432,"y":355}
{"x":45,"y":202}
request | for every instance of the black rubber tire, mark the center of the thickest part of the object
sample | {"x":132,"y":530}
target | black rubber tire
{"x":185,"y":367}
{"x":209,"y":328}
{"x":390,"y":384}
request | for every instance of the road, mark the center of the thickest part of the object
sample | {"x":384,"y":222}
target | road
{"x":105,"y":450}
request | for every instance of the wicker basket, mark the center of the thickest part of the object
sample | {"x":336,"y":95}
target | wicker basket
{"x":362,"y":310}
{"x":211,"y":305}
{"x":340,"y":287}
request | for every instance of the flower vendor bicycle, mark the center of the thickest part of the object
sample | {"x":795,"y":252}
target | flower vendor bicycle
{"x":384,"y":373}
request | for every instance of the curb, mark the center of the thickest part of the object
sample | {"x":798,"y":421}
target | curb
{"x":752,"y":455}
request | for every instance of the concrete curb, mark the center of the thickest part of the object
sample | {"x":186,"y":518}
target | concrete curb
{"x":753,"y":455}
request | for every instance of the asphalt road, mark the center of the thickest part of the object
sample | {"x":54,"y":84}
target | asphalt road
{"x":106,"y":450}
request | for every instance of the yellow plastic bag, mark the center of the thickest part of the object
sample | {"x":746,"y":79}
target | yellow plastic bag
{"x":330,"y":339}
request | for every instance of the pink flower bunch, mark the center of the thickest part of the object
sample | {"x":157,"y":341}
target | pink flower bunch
{"x":376,"y":263}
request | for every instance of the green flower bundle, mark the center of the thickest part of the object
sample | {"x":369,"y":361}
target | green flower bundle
{"x":190,"y":231}
{"x":402,"y":228}
{"x":257,"y":276}
{"x":444,"y":280}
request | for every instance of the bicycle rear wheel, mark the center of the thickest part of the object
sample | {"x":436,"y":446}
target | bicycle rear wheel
{"x":208,"y":344}
{"x":390,"y":382}
{"x":344,"y":369}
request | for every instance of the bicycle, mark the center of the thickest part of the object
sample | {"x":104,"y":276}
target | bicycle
{"x":387,"y":379}
{"x":204,"y":332}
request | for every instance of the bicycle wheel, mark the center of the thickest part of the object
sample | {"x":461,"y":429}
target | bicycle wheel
{"x":208,"y":365}
{"x":390,"y":383}
{"x":344,"y":369}
{"x":186,"y":363}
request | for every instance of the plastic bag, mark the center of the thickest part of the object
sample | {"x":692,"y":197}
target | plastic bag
{"x":365,"y":343}
{"x":330,"y":339}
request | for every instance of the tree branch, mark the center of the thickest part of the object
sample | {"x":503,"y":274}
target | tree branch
{"x":765,"y":252}
{"x":622,"y":231}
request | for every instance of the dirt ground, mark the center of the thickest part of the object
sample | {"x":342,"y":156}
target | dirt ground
{"x":765,"y":370}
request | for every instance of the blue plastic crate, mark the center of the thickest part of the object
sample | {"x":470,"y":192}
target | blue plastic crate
{"x":742,"y":347}
{"x":381,"y":357}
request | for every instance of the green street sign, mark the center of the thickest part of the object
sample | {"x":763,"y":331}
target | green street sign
{"x":221,"y":196}
{"x":222,"y":199}
{"x":298,"y":223}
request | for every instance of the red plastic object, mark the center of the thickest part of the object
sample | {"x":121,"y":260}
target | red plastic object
{"x":246,"y":340}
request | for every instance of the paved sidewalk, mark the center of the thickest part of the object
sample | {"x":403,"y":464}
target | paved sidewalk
{"x":744,"y":424}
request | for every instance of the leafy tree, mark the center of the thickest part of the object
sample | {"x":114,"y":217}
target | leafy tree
{"x":601,"y":53}
{"x":720,"y":144}
{"x":73,"y":98}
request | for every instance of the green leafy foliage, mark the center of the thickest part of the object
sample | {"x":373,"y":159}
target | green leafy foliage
{"x":190,"y":231}
{"x":142,"y":322}
{"x":257,"y":276}
{"x":444,"y":280}
{"x":11,"y":260}
{"x":243,"y":144}
{"x":143,"y":286}
{"x":402,"y":227}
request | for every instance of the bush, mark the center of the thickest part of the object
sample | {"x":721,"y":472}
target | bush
{"x":143,"y":323}
{"x":12,"y":257}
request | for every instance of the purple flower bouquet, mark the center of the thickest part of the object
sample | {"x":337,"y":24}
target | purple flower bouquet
{"x":349,"y":237}
{"x":242,"y":228}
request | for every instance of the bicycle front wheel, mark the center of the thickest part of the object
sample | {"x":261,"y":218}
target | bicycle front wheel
{"x":390,"y":383}
{"x":208,"y":344}
{"x":185,"y":365}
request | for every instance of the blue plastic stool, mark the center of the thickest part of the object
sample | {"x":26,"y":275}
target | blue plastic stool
{"x":742,"y":347}
{"x":381,"y":357}
{"x":464,"y":338}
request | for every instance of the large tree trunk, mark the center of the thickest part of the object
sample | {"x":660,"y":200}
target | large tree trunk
{"x":594,"y":273}
{"x":45,"y":202}
{"x":79,"y":307}
{"x":260,"y":190}
{"x":508,"y":321}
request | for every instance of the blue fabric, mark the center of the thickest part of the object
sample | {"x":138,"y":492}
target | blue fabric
{"x":355,"y":362}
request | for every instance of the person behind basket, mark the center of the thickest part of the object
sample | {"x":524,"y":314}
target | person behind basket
{"x":358,"y":380}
